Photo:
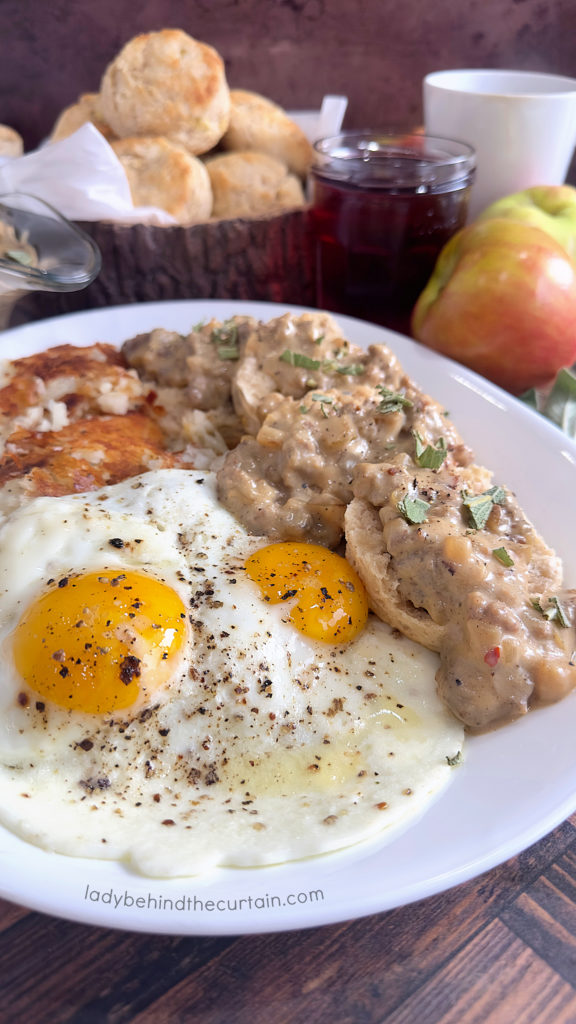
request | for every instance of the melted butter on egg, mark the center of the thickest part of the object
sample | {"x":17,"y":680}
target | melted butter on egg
{"x":101,"y":642}
{"x":325,"y":766}
{"x":327,"y":599}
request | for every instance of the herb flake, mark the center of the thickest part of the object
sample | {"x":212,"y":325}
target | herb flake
{"x":502,"y":555}
{"x":226,"y":340}
{"x":554,"y":612}
{"x":324,"y":401}
{"x":228,"y":352}
{"x":413,"y":510}
{"x":19,"y":256}
{"x":299,"y":359}
{"x":351,"y":370}
{"x":479,"y":506}
{"x":559,"y":404}
{"x":392,"y":401}
{"x":305,"y":362}
{"x":429,"y":456}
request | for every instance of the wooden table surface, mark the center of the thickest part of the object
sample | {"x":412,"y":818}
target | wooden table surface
{"x":500,"y":949}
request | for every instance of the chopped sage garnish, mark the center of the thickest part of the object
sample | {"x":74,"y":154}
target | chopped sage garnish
{"x":324,"y":401}
{"x":560,"y":405}
{"x":392,"y":401}
{"x":19,"y":256}
{"x":457,"y":759}
{"x":557,"y":404}
{"x":479,"y":506}
{"x":429,"y":456}
{"x":228,"y":352}
{"x":327,"y":365}
{"x":502,"y":555}
{"x":414,"y":510}
{"x":554,"y":612}
{"x":226,"y":340}
{"x":352,"y":370}
{"x":299,"y":359}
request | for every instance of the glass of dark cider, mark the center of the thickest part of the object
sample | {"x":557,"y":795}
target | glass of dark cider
{"x":382,"y":206}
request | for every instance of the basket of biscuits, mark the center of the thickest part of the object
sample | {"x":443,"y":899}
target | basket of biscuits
{"x":225,"y":167}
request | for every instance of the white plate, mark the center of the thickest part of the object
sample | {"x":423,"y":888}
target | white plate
{"x":515,"y":786}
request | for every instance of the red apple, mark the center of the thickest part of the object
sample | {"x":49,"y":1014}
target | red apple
{"x":502,"y":300}
{"x":549,"y":207}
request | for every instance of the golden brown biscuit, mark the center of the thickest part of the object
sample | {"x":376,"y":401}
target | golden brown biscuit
{"x":85,"y":110}
{"x":260,"y":125}
{"x":11,"y":143}
{"x":163,"y":174}
{"x":166,"y":83}
{"x":252,"y":185}
{"x":366,"y":551}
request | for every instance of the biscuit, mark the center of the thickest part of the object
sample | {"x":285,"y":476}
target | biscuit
{"x":85,"y":110}
{"x":11,"y":143}
{"x":260,"y":125}
{"x":252,"y":185}
{"x":163,"y":174}
{"x":367,"y":553}
{"x":166,"y":83}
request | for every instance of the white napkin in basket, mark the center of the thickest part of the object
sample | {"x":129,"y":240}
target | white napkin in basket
{"x":83,"y":179}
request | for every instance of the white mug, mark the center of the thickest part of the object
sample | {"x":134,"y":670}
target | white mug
{"x":522,"y":125}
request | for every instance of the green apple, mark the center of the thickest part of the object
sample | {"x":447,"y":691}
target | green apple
{"x":502,"y":300}
{"x":549,"y":207}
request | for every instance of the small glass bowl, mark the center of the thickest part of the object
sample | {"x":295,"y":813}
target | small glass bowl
{"x":66,"y":259}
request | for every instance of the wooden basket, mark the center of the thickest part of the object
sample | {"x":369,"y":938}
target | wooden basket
{"x":270,"y":260}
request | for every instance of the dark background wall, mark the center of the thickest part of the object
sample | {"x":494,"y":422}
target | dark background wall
{"x":294,"y":51}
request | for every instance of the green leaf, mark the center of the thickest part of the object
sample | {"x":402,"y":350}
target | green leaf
{"x":530,"y":398}
{"x":19,"y":256}
{"x":299,"y":359}
{"x":414,"y":510}
{"x":352,"y":370}
{"x":560,"y":405}
{"x":428,"y":456}
{"x":226,"y":340}
{"x":228,"y":352}
{"x":392,"y":401}
{"x":479,"y":506}
{"x":457,"y":759}
{"x":227,"y":334}
{"x":554,"y":612}
{"x":327,"y":365}
{"x":502,"y":555}
{"x":324,"y":401}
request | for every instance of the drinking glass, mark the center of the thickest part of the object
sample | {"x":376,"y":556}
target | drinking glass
{"x":383,"y":204}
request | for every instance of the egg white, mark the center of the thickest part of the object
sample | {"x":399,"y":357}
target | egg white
{"x":266,"y":746}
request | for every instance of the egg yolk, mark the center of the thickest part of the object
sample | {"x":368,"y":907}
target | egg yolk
{"x":329,"y":597}
{"x":101,"y":642}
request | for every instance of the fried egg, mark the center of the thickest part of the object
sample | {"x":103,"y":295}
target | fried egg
{"x":179,"y":695}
